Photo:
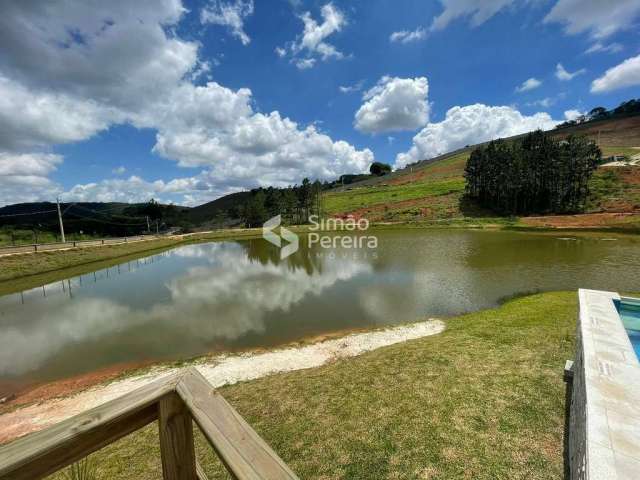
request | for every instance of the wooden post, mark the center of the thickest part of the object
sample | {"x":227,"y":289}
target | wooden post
{"x":176,"y":439}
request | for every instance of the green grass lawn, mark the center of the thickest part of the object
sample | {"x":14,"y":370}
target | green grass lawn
{"x":483,"y":400}
{"x":372,"y":196}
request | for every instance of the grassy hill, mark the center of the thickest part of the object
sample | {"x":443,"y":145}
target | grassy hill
{"x":432,"y":190}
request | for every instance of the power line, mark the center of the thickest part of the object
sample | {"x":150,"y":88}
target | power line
{"x":30,"y":213}
{"x":106,"y":215}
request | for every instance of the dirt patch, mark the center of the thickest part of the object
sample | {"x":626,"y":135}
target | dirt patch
{"x":614,"y":132}
{"x":425,"y":208}
{"x":219,"y":370}
{"x":585,"y":220}
{"x":26,"y":395}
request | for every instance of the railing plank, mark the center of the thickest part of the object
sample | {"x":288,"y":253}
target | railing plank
{"x":42,"y":453}
{"x":244,"y":453}
{"x":176,"y":439}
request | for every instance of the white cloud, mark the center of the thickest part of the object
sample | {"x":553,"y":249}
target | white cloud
{"x":394,"y":104}
{"x":312,"y":42}
{"x":51,"y":95}
{"x":305,"y":63}
{"x":406,"y":36}
{"x":229,"y":14}
{"x":529,"y":84}
{"x":626,"y":74}
{"x":544,"y":102}
{"x":24,"y":177}
{"x":563,"y":75}
{"x":572,"y":114}
{"x":470,"y":125}
{"x":119,"y":171}
{"x":356,"y":87}
{"x":599,"y":47}
{"x":34,"y":119}
{"x":600,"y":18}
{"x":479,"y":12}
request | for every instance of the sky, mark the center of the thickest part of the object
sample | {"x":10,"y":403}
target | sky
{"x":188,"y":100}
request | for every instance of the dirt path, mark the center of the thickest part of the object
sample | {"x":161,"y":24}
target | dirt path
{"x":220,"y":370}
{"x":586,"y":220}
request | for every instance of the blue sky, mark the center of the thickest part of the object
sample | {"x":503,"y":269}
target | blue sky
{"x":187,"y":101}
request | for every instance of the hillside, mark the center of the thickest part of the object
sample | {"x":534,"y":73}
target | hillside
{"x":216,"y":210}
{"x":432,"y":190}
{"x":26,"y":221}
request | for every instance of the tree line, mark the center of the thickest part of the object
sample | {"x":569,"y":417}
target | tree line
{"x":537,"y":174}
{"x":294,"y":203}
{"x":625,"y":109}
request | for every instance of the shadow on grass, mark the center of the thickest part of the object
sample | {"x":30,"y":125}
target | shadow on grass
{"x":567,"y":425}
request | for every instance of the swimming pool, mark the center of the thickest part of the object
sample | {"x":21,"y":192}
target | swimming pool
{"x":629,"y":310}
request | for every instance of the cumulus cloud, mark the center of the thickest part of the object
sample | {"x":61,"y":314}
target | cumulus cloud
{"x":529,"y":84}
{"x":563,"y":75}
{"x":626,"y":74}
{"x":479,"y":12}
{"x":312,"y":43}
{"x":470,"y":125}
{"x":600,"y":47}
{"x":229,"y":14}
{"x":394,"y":104}
{"x":597,"y":17}
{"x":24,"y":177}
{"x":64,"y":83}
{"x":35,"y":119}
{"x":119,"y":171}
{"x":406,"y":36}
{"x":572,"y":114}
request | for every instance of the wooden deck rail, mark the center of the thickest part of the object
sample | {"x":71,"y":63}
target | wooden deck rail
{"x":175,"y":401}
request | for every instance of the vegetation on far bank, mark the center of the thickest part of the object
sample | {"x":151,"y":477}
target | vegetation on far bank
{"x":22,"y":271}
{"x":484,"y":400}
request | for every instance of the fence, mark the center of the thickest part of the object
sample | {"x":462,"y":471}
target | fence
{"x":41,"y":247}
{"x":176,"y":402}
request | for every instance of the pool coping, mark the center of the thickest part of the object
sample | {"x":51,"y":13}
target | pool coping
{"x":607,"y":374}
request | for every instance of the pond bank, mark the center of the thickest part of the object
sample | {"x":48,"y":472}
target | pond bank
{"x":219,"y":370}
{"x":484,"y":399}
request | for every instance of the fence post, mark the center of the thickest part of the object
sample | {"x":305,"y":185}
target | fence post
{"x":103,"y":242}
{"x":176,"y":439}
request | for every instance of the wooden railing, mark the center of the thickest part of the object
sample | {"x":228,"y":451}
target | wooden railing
{"x":176,"y":402}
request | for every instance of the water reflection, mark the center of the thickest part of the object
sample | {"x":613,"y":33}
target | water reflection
{"x":232,"y":295}
{"x":225,"y":291}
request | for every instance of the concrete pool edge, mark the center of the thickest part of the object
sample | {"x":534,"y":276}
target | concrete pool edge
{"x":604,"y":434}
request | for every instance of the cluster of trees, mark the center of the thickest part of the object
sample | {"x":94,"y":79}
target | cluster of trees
{"x":630,"y":107}
{"x":379,"y":169}
{"x":536,"y":174}
{"x":295,"y":204}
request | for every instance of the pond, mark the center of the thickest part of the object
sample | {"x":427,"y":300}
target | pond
{"x":229,"y":296}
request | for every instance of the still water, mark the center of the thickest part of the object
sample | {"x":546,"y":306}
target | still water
{"x":229,"y":296}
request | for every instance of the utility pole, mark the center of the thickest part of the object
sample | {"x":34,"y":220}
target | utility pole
{"x":148,"y":226}
{"x":60,"y":220}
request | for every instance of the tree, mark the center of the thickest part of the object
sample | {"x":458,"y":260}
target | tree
{"x":536,"y":174}
{"x":598,"y":113}
{"x":254,"y":211}
{"x":379,"y":169}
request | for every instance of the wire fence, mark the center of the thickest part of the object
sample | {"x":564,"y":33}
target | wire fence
{"x":41,"y":247}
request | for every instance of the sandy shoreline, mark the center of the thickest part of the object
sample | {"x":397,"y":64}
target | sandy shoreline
{"x":219,"y":370}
